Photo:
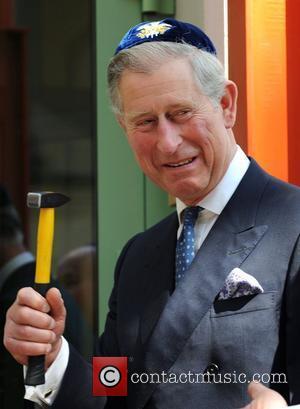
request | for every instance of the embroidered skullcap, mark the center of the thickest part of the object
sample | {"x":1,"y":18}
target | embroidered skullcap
{"x":168,"y":29}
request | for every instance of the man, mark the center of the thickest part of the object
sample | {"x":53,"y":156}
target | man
{"x":230,"y":312}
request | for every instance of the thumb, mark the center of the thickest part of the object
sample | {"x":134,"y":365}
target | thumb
{"x":58,"y":311}
{"x":264,"y":398}
{"x":255,"y":389}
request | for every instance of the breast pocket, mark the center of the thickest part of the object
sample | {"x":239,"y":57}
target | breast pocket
{"x":241,"y":305}
{"x":245,"y":332}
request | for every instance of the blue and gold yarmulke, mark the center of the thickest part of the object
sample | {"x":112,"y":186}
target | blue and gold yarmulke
{"x":168,"y":29}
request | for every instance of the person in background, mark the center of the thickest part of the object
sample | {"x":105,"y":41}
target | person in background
{"x":75,"y":272}
{"x":17,"y":267}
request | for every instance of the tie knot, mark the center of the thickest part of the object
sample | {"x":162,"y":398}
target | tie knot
{"x":190,"y":215}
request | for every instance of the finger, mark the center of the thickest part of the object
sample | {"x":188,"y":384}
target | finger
{"x":31,"y":298}
{"x":263,"y":397}
{"x":22,"y":349}
{"x":28,"y":333}
{"x":23,"y":315}
{"x":255,"y":389}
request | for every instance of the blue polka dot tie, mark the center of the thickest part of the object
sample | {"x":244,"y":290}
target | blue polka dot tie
{"x":185,"y":248}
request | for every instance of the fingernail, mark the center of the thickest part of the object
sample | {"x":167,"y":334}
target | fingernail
{"x":45,"y":308}
{"x":52,"y":324}
{"x":48,"y":349}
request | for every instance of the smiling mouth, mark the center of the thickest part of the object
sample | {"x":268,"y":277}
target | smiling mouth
{"x":182,"y":163}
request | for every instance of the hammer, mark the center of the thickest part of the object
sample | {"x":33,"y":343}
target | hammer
{"x":46,"y":202}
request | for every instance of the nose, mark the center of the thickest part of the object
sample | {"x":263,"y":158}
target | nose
{"x":168,"y":136}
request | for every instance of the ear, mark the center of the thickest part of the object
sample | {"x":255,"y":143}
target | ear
{"x":121,"y":122}
{"x":228,"y":104}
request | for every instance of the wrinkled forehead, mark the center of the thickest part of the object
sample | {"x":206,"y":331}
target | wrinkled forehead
{"x":166,"y":87}
{"x":168,"y":73}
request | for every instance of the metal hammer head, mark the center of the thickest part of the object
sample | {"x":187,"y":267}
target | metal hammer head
{"x":46,"y":199}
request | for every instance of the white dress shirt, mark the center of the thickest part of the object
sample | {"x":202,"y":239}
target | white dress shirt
{"x":214,"y":203}
{"x":47,"y":393}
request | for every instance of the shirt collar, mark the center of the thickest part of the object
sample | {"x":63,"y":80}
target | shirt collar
{"x":13,"y":264}
{"x":217,"y":199}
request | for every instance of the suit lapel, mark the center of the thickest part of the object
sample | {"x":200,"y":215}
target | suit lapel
{"x":229,"y":243}
{"x":159,"y":268}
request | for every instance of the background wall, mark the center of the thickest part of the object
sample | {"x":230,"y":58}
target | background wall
{"x":209,"y":15}
{"x":127,"y":202}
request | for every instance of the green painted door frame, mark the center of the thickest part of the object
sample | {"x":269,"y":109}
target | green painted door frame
{"x":127,"y":202}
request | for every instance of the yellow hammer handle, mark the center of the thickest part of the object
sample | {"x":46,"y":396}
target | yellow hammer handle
{"x":44,"y":246}
{"x":36,"y":364}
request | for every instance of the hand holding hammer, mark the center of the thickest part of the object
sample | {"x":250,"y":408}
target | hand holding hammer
{"x":34,"y":323}
{"x":46,"y":202}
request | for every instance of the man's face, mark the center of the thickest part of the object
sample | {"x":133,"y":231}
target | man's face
{"x":182,"y":142}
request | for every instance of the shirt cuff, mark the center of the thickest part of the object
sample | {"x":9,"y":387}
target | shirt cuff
{"x":53,"y":378}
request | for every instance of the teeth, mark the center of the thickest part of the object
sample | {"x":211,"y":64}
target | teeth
{"x":184,"y":162}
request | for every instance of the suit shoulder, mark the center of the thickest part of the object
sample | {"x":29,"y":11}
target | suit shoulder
{"x":144,"y":245}
{"x":160,"y":231}
{"x":162,"y":224}
{"x":285,"y":192}
{"x":281,"y":204}
{"x":274,"y":186}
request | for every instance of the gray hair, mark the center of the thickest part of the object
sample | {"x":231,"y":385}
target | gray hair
{"x":146,"y":57}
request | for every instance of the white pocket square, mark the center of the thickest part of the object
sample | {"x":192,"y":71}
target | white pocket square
{"x":238,"y":283}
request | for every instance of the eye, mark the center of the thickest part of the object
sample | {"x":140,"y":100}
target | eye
{"x":182,"y":114}
{"x":145,"y":123}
